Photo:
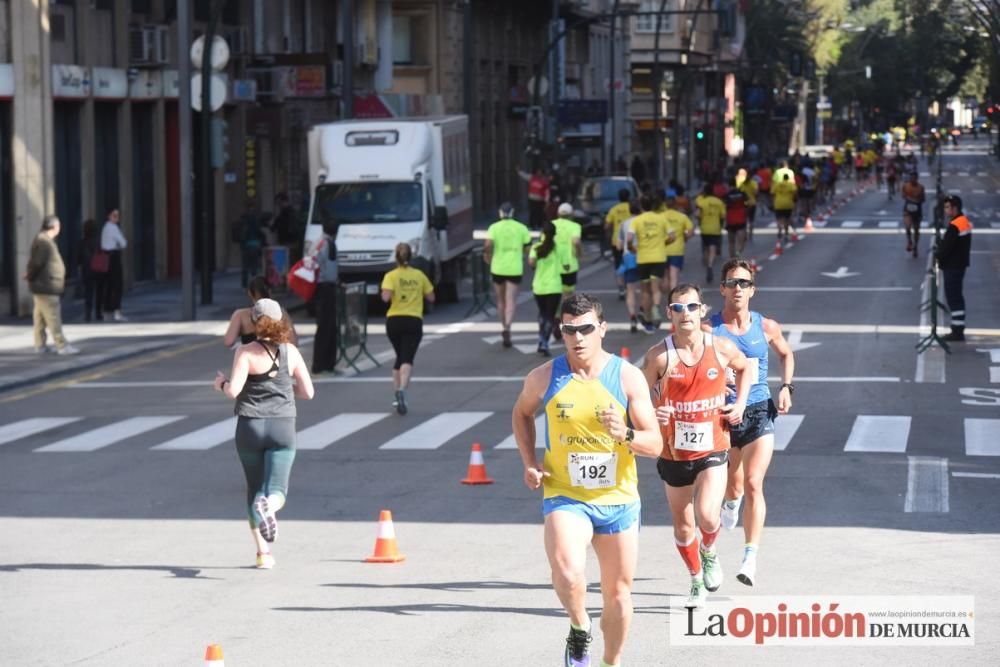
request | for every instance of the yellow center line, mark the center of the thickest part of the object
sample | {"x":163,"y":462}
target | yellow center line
{"x":141,"y":360}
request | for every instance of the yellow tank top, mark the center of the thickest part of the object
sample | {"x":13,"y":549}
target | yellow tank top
{"x":585,"y":463}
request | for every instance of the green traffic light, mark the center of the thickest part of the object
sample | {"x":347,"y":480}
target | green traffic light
{"x":699,"y":135}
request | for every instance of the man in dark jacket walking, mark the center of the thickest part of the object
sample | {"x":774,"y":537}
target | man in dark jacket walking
{"x":953,"y":258}
{"x":46,"y":276}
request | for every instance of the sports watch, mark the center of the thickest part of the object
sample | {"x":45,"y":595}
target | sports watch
{"x":791,"y":387}
{"x":629,"y":435}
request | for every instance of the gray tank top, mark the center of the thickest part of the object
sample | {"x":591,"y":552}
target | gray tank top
{"x":265,"y":396}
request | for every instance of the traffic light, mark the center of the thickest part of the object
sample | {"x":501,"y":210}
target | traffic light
{"x":220,"y":143}
{"x":699,"y":134}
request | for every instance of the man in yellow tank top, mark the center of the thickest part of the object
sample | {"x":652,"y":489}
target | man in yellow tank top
{"x":598,"y":417}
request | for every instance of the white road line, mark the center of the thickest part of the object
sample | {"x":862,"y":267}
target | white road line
{"x":329,"y":431}
{"x":963,"y":173}
{"x":954,"y":192}
{"x":994,"y":374}
{"x":785,"y":427}
{"x":982,"y":437}
{"x":436,"y":431}
{"x":203,"y":438}
{"x":25,"y":427}
{"x":888,"y":224}
{"x":510,"y":443}
{"x":981,"y":173}
{"x":976,"y":475}
{"x":926,"y":485}
{"x":108,"y":435}
{"x":851,"y":224}
{"x":995,"y":225}
{"x":979,"y":192}
{"x":878,"y":433}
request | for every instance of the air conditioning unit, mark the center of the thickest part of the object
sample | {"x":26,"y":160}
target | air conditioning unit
{"x":149,"y":45}
{"x":366,"y":53}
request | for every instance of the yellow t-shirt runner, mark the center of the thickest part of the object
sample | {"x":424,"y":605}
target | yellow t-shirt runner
{"x":618,"y":214}
{"x":784,"y":195}
{"x":749,"y":188}
{"x":651,"y":232}
{"x":408,"y":285}
{"x":681,"y":226}
{"x":712,"y":211}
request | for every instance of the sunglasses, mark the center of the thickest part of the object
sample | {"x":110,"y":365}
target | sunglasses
{"x":572,"y":330}
{"x":742,"y":283}
{"x":681,"y":307}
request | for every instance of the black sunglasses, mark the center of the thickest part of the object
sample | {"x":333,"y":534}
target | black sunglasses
{"x":742,"y":283}
{"x":572,"y":330}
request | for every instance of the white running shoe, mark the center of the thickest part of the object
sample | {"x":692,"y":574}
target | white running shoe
{"x":731,"y":512}
{"x":67,"y":349}
{"x":119,"y":317}
{"x":748,"y":571}
{"x":696,"y":600}
{"x":711,"y":570}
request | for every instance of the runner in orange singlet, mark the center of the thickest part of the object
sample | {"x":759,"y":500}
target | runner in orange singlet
{"x":687,"y":376}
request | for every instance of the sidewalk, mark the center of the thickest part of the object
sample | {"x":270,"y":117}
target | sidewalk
{"x":153,"y":311}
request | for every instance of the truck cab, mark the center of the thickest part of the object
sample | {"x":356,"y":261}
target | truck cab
{"x":379,"y":183}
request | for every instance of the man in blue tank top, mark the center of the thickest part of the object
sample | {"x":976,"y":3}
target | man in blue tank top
{"x":752,"y":440}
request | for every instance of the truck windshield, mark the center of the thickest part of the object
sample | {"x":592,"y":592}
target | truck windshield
{"x":346,"y":203}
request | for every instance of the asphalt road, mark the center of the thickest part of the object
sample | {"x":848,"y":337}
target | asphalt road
{"x":124,"y":539}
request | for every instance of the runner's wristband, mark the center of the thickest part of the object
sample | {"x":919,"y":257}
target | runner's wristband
{"x":791,"y":387}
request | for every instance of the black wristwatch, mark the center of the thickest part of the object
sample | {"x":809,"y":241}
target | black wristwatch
{"x":629,"y":435}
{"x":791,"y":387}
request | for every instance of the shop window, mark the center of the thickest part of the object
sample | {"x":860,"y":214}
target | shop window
{"x":647,"y":23}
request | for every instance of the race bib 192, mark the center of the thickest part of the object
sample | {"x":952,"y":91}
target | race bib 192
{"x":593,"y":470}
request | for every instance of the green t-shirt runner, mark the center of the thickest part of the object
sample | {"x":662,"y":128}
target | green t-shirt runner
{"x":566,"y":233}
{"x":548,"y":271}
{"x":508,"y":238}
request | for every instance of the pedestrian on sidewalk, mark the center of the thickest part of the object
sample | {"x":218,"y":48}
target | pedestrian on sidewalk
{"x":507,"y":239}
{"x":113,"y":242}
{"x":324,"y":260}
{"x":46,"y":276}
{"x":404,"y":289}
{"x":89,"y":246}
{"x":261,"y":382}
{"x":241,"y":326}
{"x":953,"y":258}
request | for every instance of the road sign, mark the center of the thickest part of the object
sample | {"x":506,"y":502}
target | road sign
{"x":218,"y":58}
{"x":543,"y":86}
{"x":217,"y":87}
{"x":577,"y":112}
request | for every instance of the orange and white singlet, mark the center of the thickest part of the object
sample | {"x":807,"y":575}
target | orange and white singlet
{"x":697,"y":395}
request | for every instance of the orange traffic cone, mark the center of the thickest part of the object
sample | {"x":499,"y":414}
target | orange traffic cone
{"x":386,"y":550}
{"x":809,"y":225}
{"x":777,"y":247}
{"x":626,"y":354}
{"x":213,"y":656}
{"x":795,"y":237}
{"x":754,"y":266}
{"x":477,"y":467}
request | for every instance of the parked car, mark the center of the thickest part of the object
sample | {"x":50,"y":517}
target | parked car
{"x":597,"y":196}
{"x":981,"y":123}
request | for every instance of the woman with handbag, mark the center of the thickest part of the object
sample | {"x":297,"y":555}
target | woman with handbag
{"x":324,"y":262}
{"x":113,"y":242}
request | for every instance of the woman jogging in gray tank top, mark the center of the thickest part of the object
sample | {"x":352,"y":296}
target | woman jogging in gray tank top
{"x":261,"y":381}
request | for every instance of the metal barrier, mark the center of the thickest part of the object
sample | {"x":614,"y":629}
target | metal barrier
{"x":932,"y":304}
{"x":352,"y":324}
{"x":482,"y":285}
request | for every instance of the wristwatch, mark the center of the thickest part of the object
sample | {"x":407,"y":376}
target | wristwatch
{"x":791,"y":387}
{"x":629,"y":435}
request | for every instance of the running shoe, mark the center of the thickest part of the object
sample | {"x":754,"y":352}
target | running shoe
{"x":731,"y":513}
{"x":954,"y":337}
{"x":264,"y":561}
{"x":621,"y":293}
{"x":748,"y":570}
{"x":633,"y":326}
{"x":267,"y":522}
{"x":543,"y":349}
{"x":916,"y":251}
{"x":506,"y":338}
{"x":400,"y":402}
{"x":711,"y":570}
{"x":649,"y":327}
{"x":45,"y":349}
{"x":909,"y":246}
{"x":708,"y":276}
{"x":698,"y":596}
{"x":578,"y":648}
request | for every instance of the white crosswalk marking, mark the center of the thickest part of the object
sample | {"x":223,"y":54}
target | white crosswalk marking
{"x":108,"y":435}
{"x":982,"y":437}
{"x":852,"y":224}
{"x":25,"y":427}
{"x":510,"y":443}
{"x":878,"y":433}
{"x":888,"y":224}
{"x":436,"y":431}
{"x":785,"y":427}
{"x":203,"y":438}
{"x":329,"y":431}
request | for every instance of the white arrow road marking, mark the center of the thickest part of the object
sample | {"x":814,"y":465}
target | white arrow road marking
{"x":842,"y":272}
{"x":794,"y":339}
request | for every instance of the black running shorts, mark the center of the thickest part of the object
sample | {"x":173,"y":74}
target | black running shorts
{"x":683,"y":473}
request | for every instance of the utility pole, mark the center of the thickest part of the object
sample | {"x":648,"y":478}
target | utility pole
{"x":188,"y":311}
{"x":608,"y":166}
{"x":207,"y":174}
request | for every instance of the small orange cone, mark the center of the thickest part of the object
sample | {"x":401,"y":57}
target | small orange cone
{"x":213,"y":656}
{"x":809,"y":225}
{"x":795,"y":237}
{"x":626,"y":354}
{"x":386,"y":550}
{"x":777,"y":248}
{"x":477,"y":467}
{"x":754,"y":266}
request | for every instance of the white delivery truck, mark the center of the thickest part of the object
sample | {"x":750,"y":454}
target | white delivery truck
{"x":380,"y":182}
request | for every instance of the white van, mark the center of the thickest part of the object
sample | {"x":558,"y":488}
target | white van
{"x":380,"y":182}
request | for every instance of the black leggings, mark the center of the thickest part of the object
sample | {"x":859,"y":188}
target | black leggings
{"x":266,"y":447}
{"x":548,"y":306}
{"x":325,"y":342}
{"x":404,"y":333}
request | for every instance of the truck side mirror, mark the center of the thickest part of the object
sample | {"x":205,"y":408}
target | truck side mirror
{"x":440,"y":221}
